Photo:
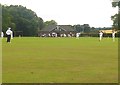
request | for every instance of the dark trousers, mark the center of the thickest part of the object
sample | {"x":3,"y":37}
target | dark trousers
{"x":8,"y":38}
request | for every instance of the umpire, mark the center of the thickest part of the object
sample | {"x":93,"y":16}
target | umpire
{"x":9,"y":34}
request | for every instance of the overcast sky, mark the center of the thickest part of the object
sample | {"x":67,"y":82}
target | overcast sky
{"x":96,"y":13}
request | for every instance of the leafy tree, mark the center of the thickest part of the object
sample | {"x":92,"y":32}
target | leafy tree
{"x":24,"y":19}
{"x":114,"y":4}
{"x":116,"y":17}
{"x":115,"y":21}
{"x":86,"y":28}
{"x":51,"y":22}
{"x":6,"y":18}
{"x":79,"y":28}
{"x":20,"y":18}
{"x":40,"y":23}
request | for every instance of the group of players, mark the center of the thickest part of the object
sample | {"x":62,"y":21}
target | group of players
{"x":9,"y":34}
{"x":101,"y":35}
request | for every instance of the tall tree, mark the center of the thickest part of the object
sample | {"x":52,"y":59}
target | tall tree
{"x":51,"y":22}
{"x":86,"y":28}
{"x":115,"y":21}
{"x":6,"y":18}
{"x":79,"y":28}
{"x":116,"y":17}
{"x":21,"y":19}
{"x":40,"y":23}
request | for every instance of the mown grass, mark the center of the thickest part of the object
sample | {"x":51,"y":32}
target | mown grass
{"x":0,"y":60}
{"x":60,"y":60}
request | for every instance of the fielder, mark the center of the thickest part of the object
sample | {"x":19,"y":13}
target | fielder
{"x":77,"y":35}
{"x":113,"y":36}
{"x":101,"y":35}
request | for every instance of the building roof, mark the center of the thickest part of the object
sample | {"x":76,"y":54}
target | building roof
{"x":107,"y":31}
{"x":67,"y":27}
{"x":62,"y":27}
{"x":49,"y":28}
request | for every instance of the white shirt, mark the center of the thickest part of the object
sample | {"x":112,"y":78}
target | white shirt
{"x":77,"y":34}
{"x":101,"y":34}
{"x":9,"y":32}
{"x":113,"y":34}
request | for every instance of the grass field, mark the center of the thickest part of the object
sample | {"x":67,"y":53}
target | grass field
{"x":0,"y":60}
{"x":60,"y":60}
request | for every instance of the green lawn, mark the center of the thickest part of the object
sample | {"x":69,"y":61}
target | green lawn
{"x":60,"y":60}
{"x":0,"y":60}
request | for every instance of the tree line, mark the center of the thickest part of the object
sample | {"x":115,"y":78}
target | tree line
{"x":24,"y":20}
{"x":21,"y":19}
